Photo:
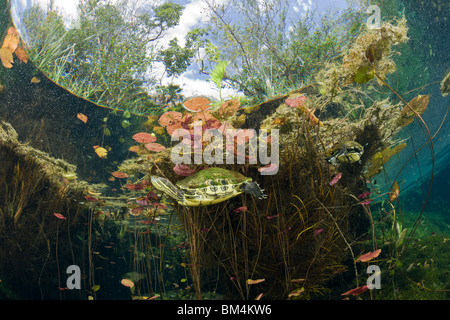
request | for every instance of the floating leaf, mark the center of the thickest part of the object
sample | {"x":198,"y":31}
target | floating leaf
{"x":101,"y":152}
{"x":336,"y":179}
{"x":395,"y":192}
{"x":144,"y":137}
{"x":197,"y":104}
{"x":60,"y":216}
{"x":250,"y":281}
{"x":369,"y":256}
{"x":183,"y":170}
{"x":119,"y":174}
{"x":127,"y":283}
{"x":156,"y":147}
{"x":356,"y":291}
{"x":80,"y":116}
{"x":170,"y":118}
{"x":138,"y":149}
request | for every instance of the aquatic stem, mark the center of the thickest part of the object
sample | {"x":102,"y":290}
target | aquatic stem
{"x":430,"y":141}
{"x":343,"y":237}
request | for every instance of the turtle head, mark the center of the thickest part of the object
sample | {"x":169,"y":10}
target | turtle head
{"x":253,"y":189}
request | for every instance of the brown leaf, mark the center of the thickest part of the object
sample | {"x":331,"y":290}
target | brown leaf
{"x":21,"y":54}
{"x":11,"y":41}
{"x":418,"y":104}
{"x":197,"y":104}
{"x":6,"y":57}
{"x":80,"y":116}
{"x":144,"y":137}
{"x":395,"y":192}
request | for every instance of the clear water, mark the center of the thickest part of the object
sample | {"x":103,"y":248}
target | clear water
{"x":111,"y":236}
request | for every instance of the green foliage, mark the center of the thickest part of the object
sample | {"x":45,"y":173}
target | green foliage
{"x":107,"y":55}
{"x":218,"y":73}
{"x":177,"y":58}
{"x":272,"y":52}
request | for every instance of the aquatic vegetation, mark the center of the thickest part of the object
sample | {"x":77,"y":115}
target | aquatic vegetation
{"x":171,"y":230}
{"x":39,"y":209}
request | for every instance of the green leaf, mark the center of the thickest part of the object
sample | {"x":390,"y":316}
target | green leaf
{"x":400,"y":239}
{"x":96,"y":288}
{"x":126,"y":123}
{"x":218,"y":73}
{"x":364,"y":74}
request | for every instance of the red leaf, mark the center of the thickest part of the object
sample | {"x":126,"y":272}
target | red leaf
{"x":317,"y":232}
{"x":60,"y":216}
{"x":156,"y":147}
{"x":169,"y":118}
{"x":269,"y":169}
{"x":296,"y":102}
{"x":240,"y":209}
{"x":183,"y":170}
{"x":356,"y":291}
{"x":137,"y":186}
{"x":369,"y":256}
{"x":89,"y":198}
{"x":197,"y":104}
{"x":336,"y":179}
{"x":136,"y":211}
{"x":119,"y":174}
{"x":144,"y":137}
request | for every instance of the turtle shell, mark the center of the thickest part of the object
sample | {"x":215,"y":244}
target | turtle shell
{"x":213,"y":177}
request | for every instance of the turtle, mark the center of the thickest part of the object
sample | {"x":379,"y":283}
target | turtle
{"x":346,"y":152}
{"x":208,"y":186}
